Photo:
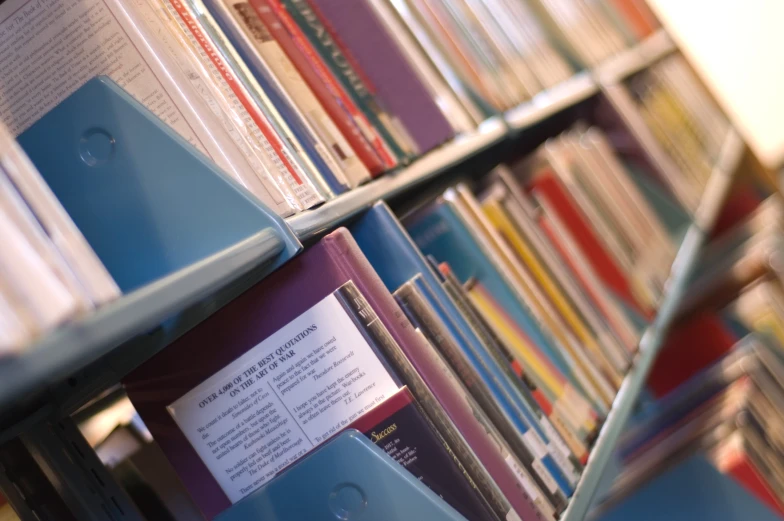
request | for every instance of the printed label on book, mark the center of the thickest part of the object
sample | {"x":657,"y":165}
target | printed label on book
{"x":282,"y":398}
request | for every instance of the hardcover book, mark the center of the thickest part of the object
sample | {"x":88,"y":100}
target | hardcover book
{"x":402,"y":429}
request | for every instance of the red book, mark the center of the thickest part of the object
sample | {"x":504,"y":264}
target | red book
{"x":343,"y":111}
{"x":746,"y":474}
{"x":548,"y":190}
{"x":691,"y":347}
{"x":258,"y":118}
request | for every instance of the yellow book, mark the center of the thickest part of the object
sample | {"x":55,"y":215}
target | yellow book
{"x":594,"y":386}
{"x":569,"y":403}
{"x":498,"y":217}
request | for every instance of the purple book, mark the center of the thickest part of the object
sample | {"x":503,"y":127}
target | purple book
{"x":365,"y":38}
{"x":281,"y":369}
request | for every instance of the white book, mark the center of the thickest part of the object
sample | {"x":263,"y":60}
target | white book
{"x":42,"y":205}
{"x":300,"y":172}
{"x":333,"y":148}
{"x":15,"y":335}
{"x":255,"y":171}
{"x":38,"y":292}
{"x":24,"y":220}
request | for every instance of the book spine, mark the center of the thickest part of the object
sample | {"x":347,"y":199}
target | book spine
{"x":268,"y":65}
{"x":346,"y":142}
{"x":527,"y":446}
{"x":500,"y":484}
{"x":193,"y":28}
{"x":311,"y":66}
{"x":393,"y":139}
{"x":377,"y":335}
{"x":561,"y":440}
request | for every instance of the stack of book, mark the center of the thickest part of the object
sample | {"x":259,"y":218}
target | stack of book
{"x":479,"y":340}
{"x":48,"y":271}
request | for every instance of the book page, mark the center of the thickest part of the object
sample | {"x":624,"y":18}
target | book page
{"x":50,"y":48}
{"x":282,"y":398}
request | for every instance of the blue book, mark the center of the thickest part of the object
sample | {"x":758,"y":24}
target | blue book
{"x":439,"y":231}
{"x":261,"y":74}
{"x":397,"y":259}
{"x":148,"y":202}
{"x":347,"y":478}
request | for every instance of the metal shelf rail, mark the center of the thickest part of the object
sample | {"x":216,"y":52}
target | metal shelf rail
{"x":653,"y":338}
{"x":76,"y":345}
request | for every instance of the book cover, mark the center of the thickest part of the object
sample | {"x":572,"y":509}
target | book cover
{"x":288,"y":300}
{"x":396,"y":260}
{"x":402,"y":429}
{"x":368,"y":42}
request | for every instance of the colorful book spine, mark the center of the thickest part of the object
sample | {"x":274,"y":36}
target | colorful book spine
{"x":397,"y":84}
{"x":392,"y":138}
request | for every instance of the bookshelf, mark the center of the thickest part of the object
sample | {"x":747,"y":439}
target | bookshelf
{"x":77,"y":345}
{"x":312,"y":223}
{"x":93,"y":341}
{"x":654,"y":336}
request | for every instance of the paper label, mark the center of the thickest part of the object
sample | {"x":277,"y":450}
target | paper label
{"x":512,"y":516}
{"x":535,"y":444}
{"x":283,"y":397}
{"x":545,"y":475}
{"x":528,"y":485}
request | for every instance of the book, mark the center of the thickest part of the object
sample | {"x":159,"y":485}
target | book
{"x":550,"y":194}
{"x":348,"y":144}
{"x":596,"y":386}
{"x":368,"y":42}
{"x":527,"y":447}
{"x":352,"y":479}
{"x":616,"y":340}
{"x":268,"y":126}
{"x":439,"y":231}
{"x":313,"y":276}
{"x":396,"y":260}
{"x":402,"y":429}
{"x":334,"y":156}
{"x":327,"y":55}
{"x":597,"y":340}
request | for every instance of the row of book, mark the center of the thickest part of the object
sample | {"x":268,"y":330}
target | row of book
{"x":719,"y":383}
{"x":681,"y":120}
{"x":301,"y":100}
{"x":48,"y":271}
{"x":479,"y":340}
